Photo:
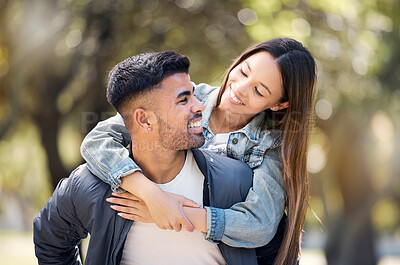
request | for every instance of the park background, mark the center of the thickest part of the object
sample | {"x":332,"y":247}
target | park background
{"x":54,"y":60}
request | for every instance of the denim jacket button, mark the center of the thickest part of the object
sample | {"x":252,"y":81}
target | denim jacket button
{"x":235,"y":140}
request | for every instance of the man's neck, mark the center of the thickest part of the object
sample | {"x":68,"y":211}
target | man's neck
{"x":160,"y":166}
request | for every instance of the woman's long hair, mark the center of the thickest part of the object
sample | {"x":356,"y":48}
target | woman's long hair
{"x":297,"y":68}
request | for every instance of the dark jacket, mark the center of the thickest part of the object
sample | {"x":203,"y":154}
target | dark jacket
{"x":78,"y":207}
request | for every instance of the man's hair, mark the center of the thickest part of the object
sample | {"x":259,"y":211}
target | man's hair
{"x":142,"y":73}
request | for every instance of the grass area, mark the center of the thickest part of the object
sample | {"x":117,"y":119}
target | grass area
{"x":17,"y":248}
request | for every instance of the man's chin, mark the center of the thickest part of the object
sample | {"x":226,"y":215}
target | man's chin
{"x":196,"y":141}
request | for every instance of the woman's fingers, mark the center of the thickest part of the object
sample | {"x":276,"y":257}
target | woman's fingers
{"x":126,"y":195}
{"x":181,"y":218}
{"x":189,"y":203}
{"x":124,"y":202}
{"x":186,"y":202}
{"x":169,"y":216}
{"x":132,"y":207}
{"x":132,"y":217}
{"x":177,"y":227}
{"x":128,"y":210}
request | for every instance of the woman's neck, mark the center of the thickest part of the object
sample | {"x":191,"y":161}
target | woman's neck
{"x":222,"y":121}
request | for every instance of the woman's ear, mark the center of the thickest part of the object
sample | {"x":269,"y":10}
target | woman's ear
{"x":279,"y":106}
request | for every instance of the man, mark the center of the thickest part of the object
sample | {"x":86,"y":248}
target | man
{"x":154,"y":95}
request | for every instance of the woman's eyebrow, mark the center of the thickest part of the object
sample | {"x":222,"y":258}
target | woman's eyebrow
{"x":269,"y":91}
{"x":248,"y":65}
{"x":266,"y":87}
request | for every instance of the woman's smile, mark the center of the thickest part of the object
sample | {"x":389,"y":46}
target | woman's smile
{"x":233,"y":98}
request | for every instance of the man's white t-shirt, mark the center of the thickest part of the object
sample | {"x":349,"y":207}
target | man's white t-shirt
{"x":146,"y":244}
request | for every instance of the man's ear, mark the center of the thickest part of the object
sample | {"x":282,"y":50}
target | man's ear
{"x":279,"y":106}
{"x":144,"y":119}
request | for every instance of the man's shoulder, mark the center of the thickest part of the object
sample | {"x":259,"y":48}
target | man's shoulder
{"x":229,"y":180}
{"x":225,"y":162}
{"x":225,"y":169}
{"x":82,"y":181}
{"x":83,"y":175}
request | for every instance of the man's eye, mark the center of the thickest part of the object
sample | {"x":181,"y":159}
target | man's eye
{"x":241,"y":70}
{"x":183,"y":100}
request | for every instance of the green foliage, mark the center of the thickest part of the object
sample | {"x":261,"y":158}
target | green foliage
{"x":386,"y":215}
{"x":23,"y":162}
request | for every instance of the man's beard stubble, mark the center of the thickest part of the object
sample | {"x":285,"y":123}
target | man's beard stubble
{"x":172,"y":139}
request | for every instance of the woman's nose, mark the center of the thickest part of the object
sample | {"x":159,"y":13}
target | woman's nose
{"x":242,"y":87}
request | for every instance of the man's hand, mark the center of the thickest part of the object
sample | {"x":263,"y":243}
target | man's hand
{"x":162,"y":208}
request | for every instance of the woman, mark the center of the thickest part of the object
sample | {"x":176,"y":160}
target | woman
{"x":261,"y":115}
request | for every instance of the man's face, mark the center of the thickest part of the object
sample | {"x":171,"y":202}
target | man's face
{"x":179,"y":114}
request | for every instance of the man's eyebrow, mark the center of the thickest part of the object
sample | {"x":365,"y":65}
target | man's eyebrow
{"x":266,"y":87}
{"x":184,"y":93}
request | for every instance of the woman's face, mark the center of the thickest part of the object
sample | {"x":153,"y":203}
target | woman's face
{"x":254,"y":85}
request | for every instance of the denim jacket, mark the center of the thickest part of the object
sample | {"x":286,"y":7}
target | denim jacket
{"x":252,"y":223}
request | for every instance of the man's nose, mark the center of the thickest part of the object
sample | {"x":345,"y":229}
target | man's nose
{"x":197,"y":107}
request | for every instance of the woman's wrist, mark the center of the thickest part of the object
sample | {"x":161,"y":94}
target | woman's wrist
{"x":139,"y":185}
{"x":198,"y":217}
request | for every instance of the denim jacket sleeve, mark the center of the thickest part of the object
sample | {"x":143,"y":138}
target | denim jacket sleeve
{"x":104,"y":150}
{"x":252,"y":223}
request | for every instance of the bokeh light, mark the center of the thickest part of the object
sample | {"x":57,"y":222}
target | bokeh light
{"x":316,"y":158}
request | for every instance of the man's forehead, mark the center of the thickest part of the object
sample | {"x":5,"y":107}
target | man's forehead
{"x":175,"y":84}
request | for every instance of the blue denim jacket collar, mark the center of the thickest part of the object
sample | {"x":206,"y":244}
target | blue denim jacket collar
{"x":208,"y":108}
{"x":254,"y":130}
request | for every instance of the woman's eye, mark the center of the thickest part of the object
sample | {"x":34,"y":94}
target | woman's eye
{"x":241,"y":70}
{"x":258,"y":92}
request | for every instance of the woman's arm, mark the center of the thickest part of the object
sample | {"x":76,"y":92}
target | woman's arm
{"x":105,"y":152}
{"x":252,"y":223}
{"x":133,"y":208}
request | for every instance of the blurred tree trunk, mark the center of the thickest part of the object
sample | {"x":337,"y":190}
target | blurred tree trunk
{"x":351,"y":237}
{"x":49,"y":86}
{"x":47,"y":119}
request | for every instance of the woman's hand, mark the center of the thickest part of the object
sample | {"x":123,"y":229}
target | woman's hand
{"x":164,"y":209}
{"x":167,"y":211}
{"x":130,"y":207}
